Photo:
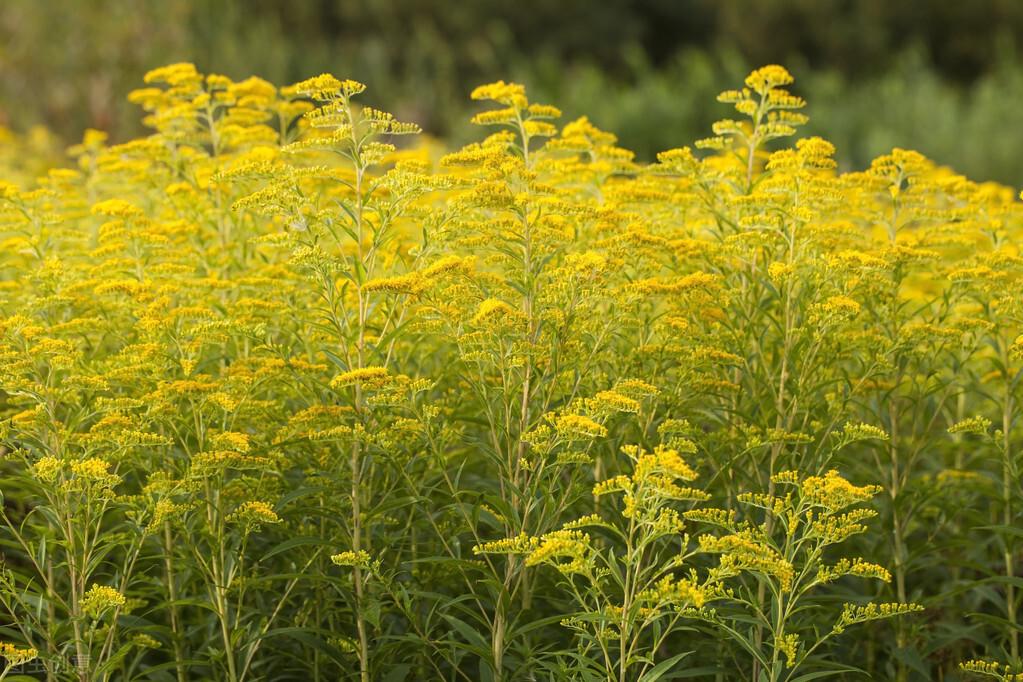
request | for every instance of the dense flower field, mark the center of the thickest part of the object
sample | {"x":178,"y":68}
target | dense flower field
{"x":288,"y":393}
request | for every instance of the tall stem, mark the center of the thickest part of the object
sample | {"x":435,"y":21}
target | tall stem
{"x":356,"y":459}
{"x":898,"y":530}
{"x":1008,"y":479}
{"x":172,"y":594}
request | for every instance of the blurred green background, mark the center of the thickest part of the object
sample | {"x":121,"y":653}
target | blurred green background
{"x":941,"y":76}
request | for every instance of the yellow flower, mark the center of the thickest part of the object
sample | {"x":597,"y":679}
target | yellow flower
{"x":411,"y":283}
{"x":15,"y":655}
{"x":254,"y":513}
{"x":511,"y":94}
{"x":613,"y":401}
{"x":768,"y":77}
{"x":566,"y":550}
{"x":578,"y":427}
{"x":117,"y":208}
{"x":358,"y":559}
{"x":327,"y":87}
{"x":833,"y":492}
{"x":99,"y":599}
{"x":493,"y":310}
{"x":47,"y":468}
{"x":370,"y":377}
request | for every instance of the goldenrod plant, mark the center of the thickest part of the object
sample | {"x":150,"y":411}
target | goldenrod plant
{"x":289,"y":391}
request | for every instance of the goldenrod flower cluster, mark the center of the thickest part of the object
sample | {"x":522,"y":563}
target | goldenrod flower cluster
{"x":998,"y":671}
{"x":99,"y":599}
{"x":15,"y":655}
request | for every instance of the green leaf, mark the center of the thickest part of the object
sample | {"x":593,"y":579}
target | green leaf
{"x":662,"y":668}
